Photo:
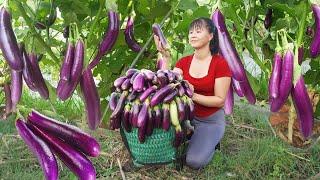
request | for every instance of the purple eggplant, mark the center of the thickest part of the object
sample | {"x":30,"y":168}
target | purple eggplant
{"x":138,"y":82}
{"x":147,"y":93}
{"x":77,"y":65}
{"x":303,"y":107}
{"x":113,"y":101}
{"x":28,"y":72}
{"x":158,"y":32}
{"x":268,"y":19}
{"x":227,"y":48}
{"x":157,"y":116}
{"x":40,"y":149}
{"x":148,"y":74}
{"x":142,"y":133}
{"x":91,"y":99}
{"x":165,"y":117}
{"x":134,"y":76}
{"x":170,"y":97}
{"x":171,"y":77}
{"x":181,"y":90}
{"x":300,"y":54}
{"x":7,"y":92}
{"x":274,"y":82}
{"x":130,"y":72}
{"x":8,"y":42}
{"x":16,"y":87}
{"x":78,"y":163}
{"x":109,"y":38}
{"x":186,"y":107}
{"x":66,"y":89}
{"x":178,"y":139}
{"x":143,"y":114}
{"x":126,"y":118}
{"x":38,"y":78}
{"x":162,"y":78}
{"x":125,"y":85}
{"x":65,"y":71}
{"x":285,"y":82}
{"x":248,"y":92}
{"x":191,"y":108}
{"x":116,"y":114}
{"x":228,"y":104}
{"x":118,"y":82}
{"x":237,"y":88}
{"x":70,"y":134}
{"x":135,"y":113}
{"x":187,"y":89}
{"x":150,"y":122}
{"x":180,"y":106}
{"x":161,"y":94}
{"x":129,"y":37}
{"x":315,"y":44}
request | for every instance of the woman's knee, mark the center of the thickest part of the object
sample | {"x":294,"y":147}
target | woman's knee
{"x":196,"y":161}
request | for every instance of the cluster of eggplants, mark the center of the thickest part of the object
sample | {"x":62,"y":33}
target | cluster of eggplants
{"x":228,"y":51}
{"x":146,"y":100}
{"x":71,"y":69}
{"x":48,"y":138}
{"x":281,"y":85}
{"x":109,"y":38}
{"x":129,"y":37}
{"x":280,"y":82}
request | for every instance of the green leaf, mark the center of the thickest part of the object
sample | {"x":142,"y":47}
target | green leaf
{"x":187,"y":4}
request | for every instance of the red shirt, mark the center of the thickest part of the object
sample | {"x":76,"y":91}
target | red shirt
{"x":205,"y":85}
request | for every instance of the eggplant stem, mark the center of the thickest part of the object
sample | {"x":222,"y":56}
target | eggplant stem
{"x":291,"y":121}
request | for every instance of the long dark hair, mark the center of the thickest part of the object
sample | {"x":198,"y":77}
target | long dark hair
{"x":207,"y":23}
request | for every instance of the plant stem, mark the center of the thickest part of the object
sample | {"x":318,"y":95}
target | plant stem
{"x":302,"y":24}
{"x":34,"y":32}
{"x":291,"y":121}
{"x":96,"y":20}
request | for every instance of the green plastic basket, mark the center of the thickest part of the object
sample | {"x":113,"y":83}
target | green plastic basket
{"x":157,"y":148}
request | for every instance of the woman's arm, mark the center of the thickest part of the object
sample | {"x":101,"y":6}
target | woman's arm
{"x":221,"y":88}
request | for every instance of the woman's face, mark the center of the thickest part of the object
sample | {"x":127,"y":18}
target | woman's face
{"x":199,"y":37}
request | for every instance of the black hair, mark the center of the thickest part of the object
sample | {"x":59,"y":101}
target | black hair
{"x":207,"y":23}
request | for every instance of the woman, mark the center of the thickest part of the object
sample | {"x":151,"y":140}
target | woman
{"x":209,"y":77}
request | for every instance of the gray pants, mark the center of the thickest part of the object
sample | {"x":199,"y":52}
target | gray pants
{"x":207,"y":134}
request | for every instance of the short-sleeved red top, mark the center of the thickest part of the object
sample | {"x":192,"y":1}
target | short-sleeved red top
{"x":205,"y":85}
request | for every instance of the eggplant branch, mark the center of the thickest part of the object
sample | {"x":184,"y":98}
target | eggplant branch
{"x":34,"y":32}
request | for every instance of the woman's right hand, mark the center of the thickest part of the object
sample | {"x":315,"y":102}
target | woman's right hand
{"x":163,"y":51}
